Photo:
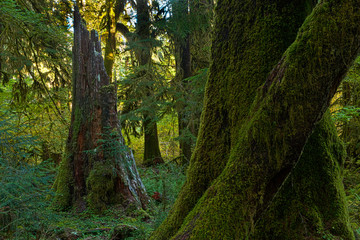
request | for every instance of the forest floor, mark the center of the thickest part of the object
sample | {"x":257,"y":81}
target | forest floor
{"x":32,"y":218}
{"x":162,"y":183}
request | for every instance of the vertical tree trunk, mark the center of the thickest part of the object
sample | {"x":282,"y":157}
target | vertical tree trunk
{"x":241,"y":58}
{"x":113,"y":11}
{"x":183,"y":119}
{"x":192,"y":53}
{"x":244,"y":50}
{"x":183,"y":71}
{"x":200,"y":39}
{"x":98,"y":169}
{"x":152,"y":154}
{"x":110,"y":45}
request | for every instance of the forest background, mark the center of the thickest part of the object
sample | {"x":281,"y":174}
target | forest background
{"x":159,"y":68}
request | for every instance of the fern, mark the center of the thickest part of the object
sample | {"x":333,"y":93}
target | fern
{"x":24,"y":184}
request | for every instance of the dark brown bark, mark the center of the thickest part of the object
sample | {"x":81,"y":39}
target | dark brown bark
{"x":152,"y":154}
{"x":183,"y":71}
{"x":98,"y":169}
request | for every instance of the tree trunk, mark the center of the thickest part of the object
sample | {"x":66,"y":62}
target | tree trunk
{"x":260,"y":144}
{"x":110,"y":45}
{"x":98,"y":169}
{"x":113,"y":11}
{"x":191,"y":56}
{"x":200,"y":39}
{"x":152,"y":154}
{"x":183,"y":71}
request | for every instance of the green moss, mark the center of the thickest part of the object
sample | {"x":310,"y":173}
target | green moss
{"x":100,"y":186}
{"x":64,"y":183}
{"x":269,"y":144}
{"x":108,"y":88}
{"x":245,"y":49}
{"x":311,"y":203}
{"x":63,"y":186}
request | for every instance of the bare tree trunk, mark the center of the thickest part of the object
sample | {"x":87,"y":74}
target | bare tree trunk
{"x":97,"y":169}
{"x":192,"y":54}
{"x":183,"y":71}
{"x":152,"y":154}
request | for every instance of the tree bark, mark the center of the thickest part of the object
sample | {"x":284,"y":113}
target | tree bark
{"x":98,"y":169}
{"x":241,"y":58}
{"x":192,"y":48}
{"x":113,"y":11}
{"x":152,"y":154}
{"x":183,"y":71}
{"x":110,"y":45}
{"x":261,"y":144}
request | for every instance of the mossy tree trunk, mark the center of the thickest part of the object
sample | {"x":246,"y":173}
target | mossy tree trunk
{"x":112,"y":16}
{"x":152,"y":154}
{"x":97,"y":169}
{"x":247,"y":148}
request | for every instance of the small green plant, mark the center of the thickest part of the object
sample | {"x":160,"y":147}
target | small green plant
{"x":346,"y":113}
{"x":163,"y":184}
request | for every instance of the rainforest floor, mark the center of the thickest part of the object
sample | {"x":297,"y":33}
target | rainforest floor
{"x":162,"y":182}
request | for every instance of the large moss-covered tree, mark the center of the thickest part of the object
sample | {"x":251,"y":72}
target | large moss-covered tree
{"x":238,"y":184}
{"x":98,"y":169}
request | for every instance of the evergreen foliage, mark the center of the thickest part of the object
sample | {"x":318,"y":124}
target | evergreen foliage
{"x":24,"y":184}
{"x":35,"y":42}
{"x":210,"y":203}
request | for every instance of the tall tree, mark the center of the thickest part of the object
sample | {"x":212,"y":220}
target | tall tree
{"x":114,"y":8}
{"x":98,"y":169}
{"x":152,"y":154}
{"x":141,"y":44}
{"x":183,"y":71}
{"x":192,"y":48}
{"x":249,"y":141}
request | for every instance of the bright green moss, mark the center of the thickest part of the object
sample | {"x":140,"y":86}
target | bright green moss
{"x":63,"y":186}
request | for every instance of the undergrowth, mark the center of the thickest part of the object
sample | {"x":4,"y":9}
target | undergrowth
{"x":164,"y":181}
{"x":352,"y":188}
{"x":25,"y":196}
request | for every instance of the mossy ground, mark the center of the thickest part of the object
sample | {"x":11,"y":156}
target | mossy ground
{"x":164,"y":179}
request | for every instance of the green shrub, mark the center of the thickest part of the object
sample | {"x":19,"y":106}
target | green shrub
{"x":24,"y":184}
